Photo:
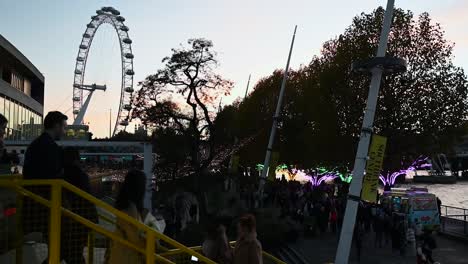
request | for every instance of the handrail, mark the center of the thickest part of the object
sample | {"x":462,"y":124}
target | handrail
{"x":16,"y":183}
{"x":131,"y":220}
{"x":171,"y":252}
{"x":232,"y":244}
{"x":449,"y":206}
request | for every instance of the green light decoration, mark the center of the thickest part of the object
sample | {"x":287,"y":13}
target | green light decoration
{"x":346,"y":178}
{"x":282,"y":167}
{"x":322,"y":170}
{"x":259,"y":167}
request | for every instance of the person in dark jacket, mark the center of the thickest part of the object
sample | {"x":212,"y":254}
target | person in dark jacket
{"x":43,"y":160}
{"x":75,"y":235}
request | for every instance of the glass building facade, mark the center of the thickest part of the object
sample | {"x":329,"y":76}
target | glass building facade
{"x":23,"y":123}
{"x":21,"y":93}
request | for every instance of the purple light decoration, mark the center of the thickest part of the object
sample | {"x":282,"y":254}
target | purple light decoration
{"x":390,"y":178}
{"x":318,"y":178}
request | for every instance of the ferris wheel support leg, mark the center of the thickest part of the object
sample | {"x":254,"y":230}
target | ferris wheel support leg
{"x":84,"y":107}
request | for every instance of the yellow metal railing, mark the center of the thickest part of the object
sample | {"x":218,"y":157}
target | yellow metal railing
{"x":267,"y":258}
{"x":58,"y":211}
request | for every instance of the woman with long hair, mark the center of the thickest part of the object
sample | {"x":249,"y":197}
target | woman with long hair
{"x":248,"y":249}
{"x":129,"y":201}
{"x":216,"y":246}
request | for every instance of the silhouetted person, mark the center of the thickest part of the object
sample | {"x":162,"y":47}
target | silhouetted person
{"x":43,"y":160}
{"x":428,"y":245}
{"x":248,"y":249}
{"x":129,"y":201}
{"x":358,"y":236}
{"x":5,"y":163}
{"x":216,"y":246}
{"x":379,"y":229}
{"x":75,"y":235}
{"x":333,"y":220}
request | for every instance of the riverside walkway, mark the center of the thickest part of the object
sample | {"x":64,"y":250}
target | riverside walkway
{"x":322,"y":249}
{"x":452,"y":244}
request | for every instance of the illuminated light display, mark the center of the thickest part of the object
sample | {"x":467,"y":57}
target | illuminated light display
{"x":259,"y":167}
{"x":348,"y":178}
{"x":389,"y":179}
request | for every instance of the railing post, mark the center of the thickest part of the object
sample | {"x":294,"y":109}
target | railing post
{"x":150,"y":247}
{"x":464,"y":223}
{"x":19,"y":229}
{"x":90,"y":247}
{"x":55,"y":223}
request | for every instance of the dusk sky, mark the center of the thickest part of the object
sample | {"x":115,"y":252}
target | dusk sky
{"x":251,"y":37}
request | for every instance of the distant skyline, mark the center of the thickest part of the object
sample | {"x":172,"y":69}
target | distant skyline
{"x":251,"y":37}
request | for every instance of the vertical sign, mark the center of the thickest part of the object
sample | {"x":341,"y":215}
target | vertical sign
{"x":373,"y":168}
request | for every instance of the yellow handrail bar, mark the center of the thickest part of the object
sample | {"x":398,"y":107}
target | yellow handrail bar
{"x":231,"y":243}
{"x":79,"y":218}
{"x":13,"y":182}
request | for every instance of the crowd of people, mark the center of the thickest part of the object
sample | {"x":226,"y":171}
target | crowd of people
{"x":319,"y":209}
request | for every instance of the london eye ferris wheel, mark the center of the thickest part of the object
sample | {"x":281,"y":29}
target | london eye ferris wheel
{"x":83,"y":92}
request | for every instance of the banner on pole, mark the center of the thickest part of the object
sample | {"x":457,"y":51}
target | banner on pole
{"x":373,"y":168}
{"x":273,"y":165}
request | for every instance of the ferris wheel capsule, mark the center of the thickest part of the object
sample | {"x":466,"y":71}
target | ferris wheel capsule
{"x":120,"y":18}
{"x":83,"y":46}
{"x":76,"y":98}
{"x":91,"y":25}
{"x":75,"y":85}
{"x":115,"y":12}
{"x":129,"y":55}
{"x":86,"y":35}
{"x":124,"y":28}
{"x":80,"y":59}
{"x":77,"y":71}
{"x":94,"y":17}
{"x":127,"y":41}
{"x":99,"y":12}
{"x":124,"y":123}
{"x":128,"y":107}
{"x":129,"y":89}
{"x":130,"y":72}
{"x":76,"y":112}
{"x":106,"y":8}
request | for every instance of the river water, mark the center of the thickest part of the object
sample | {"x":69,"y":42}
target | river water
{"x":450,"y":194}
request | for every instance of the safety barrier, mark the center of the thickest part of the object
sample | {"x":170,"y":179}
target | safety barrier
{"x":454,"y":220}
{"x":61,"y":221}
{"x":53,"y":219}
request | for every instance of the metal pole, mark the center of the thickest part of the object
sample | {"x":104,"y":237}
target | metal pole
{"x":148,"y":169}
{"x":247,"y":89}
{"x":346,"y":237}
{"x":266,"y":163}
{"x":110,"y":123}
